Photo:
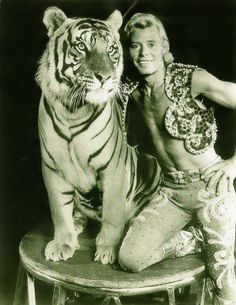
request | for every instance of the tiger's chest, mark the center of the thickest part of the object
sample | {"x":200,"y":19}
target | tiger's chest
{"x":94,"y":139}
{"x":86,"y":140}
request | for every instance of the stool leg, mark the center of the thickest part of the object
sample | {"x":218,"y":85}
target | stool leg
{"x":202,"y":294}
{"x":171,"y":296}
{"x":20,"y":291}
{"x":117,"y":300}
{"x":107,"y":300}
{"x":31,"y":290}
{"x":59,"y":295}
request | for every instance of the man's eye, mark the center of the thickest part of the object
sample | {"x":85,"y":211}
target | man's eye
{"x":134,"y":46}
{"x":151,"y":44}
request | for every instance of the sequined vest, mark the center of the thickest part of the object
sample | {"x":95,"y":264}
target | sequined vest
{"x":185,"y":119}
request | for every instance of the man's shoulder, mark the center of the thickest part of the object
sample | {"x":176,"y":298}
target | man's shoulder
{"x":174,"y":66}
{"x":128,"y":86}
{"x":178,"y":81}
{"x":184,"y":65}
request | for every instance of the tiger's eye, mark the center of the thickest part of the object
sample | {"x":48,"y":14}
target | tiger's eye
{"x":110,"y":48}
{"x":113,"y":47}
{"x":80,"y":46}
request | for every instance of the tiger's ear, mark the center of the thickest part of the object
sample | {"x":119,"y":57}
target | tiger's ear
{"x":115,"y":20}
{"x":53,"y":19}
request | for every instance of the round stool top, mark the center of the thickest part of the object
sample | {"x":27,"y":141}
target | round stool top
{"x":83,"y":271}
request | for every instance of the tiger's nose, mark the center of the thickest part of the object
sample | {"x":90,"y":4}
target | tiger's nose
{"x":101,"y":78}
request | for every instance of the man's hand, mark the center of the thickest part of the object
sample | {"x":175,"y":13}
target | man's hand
{"x":221,"y":174}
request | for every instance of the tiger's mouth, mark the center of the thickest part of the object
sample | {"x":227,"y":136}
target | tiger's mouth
{"x":98,"y":96}
{"x":99,"y":89}
{"x":80,"y":94}
{"x":89,"y":90}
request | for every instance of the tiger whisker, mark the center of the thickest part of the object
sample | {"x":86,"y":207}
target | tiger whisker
{"x":69,"y":95}
{"x":77,"y":98}
{"x":73,"y":101}
{"x":81,"y":96}
{"x":73,"y":96}
{"x":74,"y":92}
{"x":84,"y":94}
{"x":119,"y":94}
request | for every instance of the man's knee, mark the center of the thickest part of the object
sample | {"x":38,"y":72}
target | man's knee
{"x":224,"y":296}
{"x":129,"y":263}
{"x":135,"y":260}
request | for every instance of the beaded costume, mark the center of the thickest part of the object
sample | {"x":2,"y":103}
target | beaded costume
{"x":127,"y":88}
{"x":160,"y":222}
{"x":186,"y":119}
{"x":182,"y":194}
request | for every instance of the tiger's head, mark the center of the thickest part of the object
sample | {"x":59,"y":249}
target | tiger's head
{"x":83,"y":60}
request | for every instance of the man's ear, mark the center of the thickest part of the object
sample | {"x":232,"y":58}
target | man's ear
{"x":166,"y":46}
{"x":115,"y":20}
{"x":167,"y":55}
{"x":53,"y":19}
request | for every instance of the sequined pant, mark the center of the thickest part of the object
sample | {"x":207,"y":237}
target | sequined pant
{"x":182,"y":195}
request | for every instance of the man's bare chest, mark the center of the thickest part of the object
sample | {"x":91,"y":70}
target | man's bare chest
{"x":154,"y":109}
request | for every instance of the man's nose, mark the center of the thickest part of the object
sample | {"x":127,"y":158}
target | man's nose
{"x":143,"y":50}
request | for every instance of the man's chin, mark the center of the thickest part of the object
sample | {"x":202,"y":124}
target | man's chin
{"x":146,"y":72}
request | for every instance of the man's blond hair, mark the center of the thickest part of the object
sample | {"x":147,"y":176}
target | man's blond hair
{"x":142,"y":21}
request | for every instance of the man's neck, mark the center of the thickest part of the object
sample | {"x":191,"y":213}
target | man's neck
{"x":154,"y":80}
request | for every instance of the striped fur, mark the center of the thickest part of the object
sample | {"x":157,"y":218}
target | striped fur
{"x":88,"y":169}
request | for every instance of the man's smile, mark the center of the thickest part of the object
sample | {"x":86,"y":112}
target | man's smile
{"x":145,"y":61}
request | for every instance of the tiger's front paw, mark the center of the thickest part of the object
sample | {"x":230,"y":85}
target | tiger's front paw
{"x":106,"y":255}
{"x":56,"y":251}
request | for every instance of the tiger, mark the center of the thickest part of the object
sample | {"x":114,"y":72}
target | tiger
{"x":88,"y":168}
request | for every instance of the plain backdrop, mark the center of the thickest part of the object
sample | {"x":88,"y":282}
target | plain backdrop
{"x":200,"y":32}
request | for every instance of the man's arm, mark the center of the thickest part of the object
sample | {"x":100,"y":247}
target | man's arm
{"x":221,"y":92}
{"x":223,"y":173}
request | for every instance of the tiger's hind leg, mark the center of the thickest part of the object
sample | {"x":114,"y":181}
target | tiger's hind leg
{"x":88,"y":207}
{"x":144,"y":188}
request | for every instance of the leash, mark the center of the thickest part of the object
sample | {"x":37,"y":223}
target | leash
{"x":130,"y":8}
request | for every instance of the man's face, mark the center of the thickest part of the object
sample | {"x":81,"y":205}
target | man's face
{"x":146,"y":50}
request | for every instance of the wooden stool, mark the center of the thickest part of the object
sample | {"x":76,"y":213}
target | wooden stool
{"x":82,"y":274}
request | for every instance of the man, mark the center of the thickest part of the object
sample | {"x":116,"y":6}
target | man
{"x":195,"y":180}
